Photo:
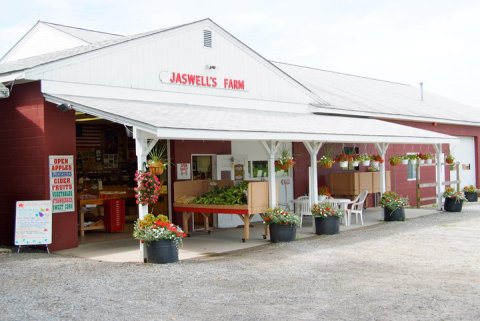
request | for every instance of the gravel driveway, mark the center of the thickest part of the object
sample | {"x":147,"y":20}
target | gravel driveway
{"x":427,"y":268}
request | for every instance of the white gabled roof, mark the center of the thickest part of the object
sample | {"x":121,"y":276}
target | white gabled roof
{"x":180,"y":121}
{"x":46,"y":37}
{"x":356,"y":95}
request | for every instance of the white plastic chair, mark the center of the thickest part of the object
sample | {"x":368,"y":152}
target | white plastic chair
{"x":302,"y":207}
{"x":356,"y":207}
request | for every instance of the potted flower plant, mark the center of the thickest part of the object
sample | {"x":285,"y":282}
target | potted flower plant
{"x":148,"y":188}
{"x":470,"y":193}
{"x":449,"y":159}
{"x":453,"y":200}
{"x":323,"y":193}
{"x":286,"y":160}
{"x":393,"y":206}
{"x":327,"y":218}
{"x":157,"y":160}
{"x":160,"y":236}
{"x":412,"y":158}
{"x":282,"y":224}
{"x":395,"y":160}
{"x":343,"y":159}
{"x":364,"y":159}
{"x":425,"y":158}
{"x":326,"y":161}
{"x":377,"y":160}
{"x":405,"y":159}
{"x":356,"y":159}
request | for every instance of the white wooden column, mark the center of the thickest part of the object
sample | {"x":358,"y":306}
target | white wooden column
{"x":438,"y":167}
{"x":271,"y":147}
{"x":142,"y":148}
{"x":313,"y":148}
{"x":382,"y":151}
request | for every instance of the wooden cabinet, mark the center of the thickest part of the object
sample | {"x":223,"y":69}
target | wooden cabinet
{"x":352,"y":183}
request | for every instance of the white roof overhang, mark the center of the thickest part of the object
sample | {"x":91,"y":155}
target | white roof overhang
{"x":182,"y":121}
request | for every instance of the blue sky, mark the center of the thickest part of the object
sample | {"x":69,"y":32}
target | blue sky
{"x":437,"y":42}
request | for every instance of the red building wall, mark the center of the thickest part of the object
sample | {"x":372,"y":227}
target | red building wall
{"x":30,"y":130}
{"x":182,"y":150}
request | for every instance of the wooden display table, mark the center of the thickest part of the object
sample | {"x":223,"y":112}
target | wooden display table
{"x":257,"y":196}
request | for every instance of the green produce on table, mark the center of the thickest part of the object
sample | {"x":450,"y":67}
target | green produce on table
{"x":234,"y":195}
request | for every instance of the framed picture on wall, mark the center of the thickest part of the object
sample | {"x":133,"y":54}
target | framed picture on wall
{"x":183,"y":171}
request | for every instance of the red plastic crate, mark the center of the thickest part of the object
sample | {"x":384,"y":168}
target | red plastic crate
{"x":114,"y":218}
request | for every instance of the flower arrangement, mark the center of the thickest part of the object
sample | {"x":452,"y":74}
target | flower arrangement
{"x":148,"y":188}
{"x":377,"y":158}
{"x":326,"y":161}
{"x":364,"y":157}
{"x":278,"y":216}
{"x":458,"y":196}
{"x":392,"y":201}
{"x":395,"y":160}
{"x":286,"y":160}
{"x":157,"y":160}
{"x":470,"y":189}
{"x":153,"y":228}
{"x":425,"y":156}
{"x":325,"y":191}
{"x":324,"y":210}
{"x":449,"y":159}
{"x":343,"y":157}
{"x":372,"y":168}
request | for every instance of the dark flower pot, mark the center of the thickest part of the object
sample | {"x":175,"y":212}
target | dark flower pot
{"x":327,"y":226}
{"x":162,"y":251}
{"x":452,"y":205}
{"x":471,"y":196}
{"x":397,"y":214}
{"x":282,"y":233}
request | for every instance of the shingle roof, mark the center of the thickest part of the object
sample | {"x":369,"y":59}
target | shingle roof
{"x":356,"y":95}
{"x":229,"y":123}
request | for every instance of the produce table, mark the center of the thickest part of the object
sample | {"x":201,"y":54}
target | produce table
{"x":257,"y":195}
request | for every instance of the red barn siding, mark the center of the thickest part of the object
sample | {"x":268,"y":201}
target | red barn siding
{"x":29,"y":133}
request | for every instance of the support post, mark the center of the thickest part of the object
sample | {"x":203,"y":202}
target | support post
{"x":142,"y":148}
{"x":271,"y":148}
{"x":313,"y":148}
{"x":382,"y":151}
{"x":438,"y":167}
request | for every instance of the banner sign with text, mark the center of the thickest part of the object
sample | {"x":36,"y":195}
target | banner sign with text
{"x":33,"y":223}
{"x":62,"y":183}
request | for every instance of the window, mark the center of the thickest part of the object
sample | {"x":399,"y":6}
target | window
{"x":411,"y":170}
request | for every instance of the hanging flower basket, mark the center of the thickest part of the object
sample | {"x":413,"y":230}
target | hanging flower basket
{"x":326,"y":161}
{"x":148,"y":188}
{"x":449,"y":159}
{"x":156,"y":168}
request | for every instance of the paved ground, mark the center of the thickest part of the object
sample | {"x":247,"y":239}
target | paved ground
{"x":426,"y":268}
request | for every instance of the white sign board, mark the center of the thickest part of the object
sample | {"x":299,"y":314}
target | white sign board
{"x":62,"y":183}
{"x":183,"y":171}
{"x":33,"y":222}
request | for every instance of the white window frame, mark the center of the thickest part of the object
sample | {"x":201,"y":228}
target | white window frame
{"x":412,"y":169}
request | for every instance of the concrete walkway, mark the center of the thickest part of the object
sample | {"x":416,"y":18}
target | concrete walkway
{"x":126,"y":249}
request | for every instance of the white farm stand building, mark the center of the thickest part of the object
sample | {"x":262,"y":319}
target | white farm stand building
{"x":196,"y":85}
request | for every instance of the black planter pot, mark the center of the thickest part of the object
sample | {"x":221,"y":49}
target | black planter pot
{"x":397,"y":214}
{"x":282,"y":233}
{"x":452,"y":205}
{"x":162,"y":251}
{"x":327,"y":226}
{"x":471,"y":196}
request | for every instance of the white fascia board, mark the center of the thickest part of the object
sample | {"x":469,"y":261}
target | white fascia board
{"x":12,"y":76}
{"x":101,"y":91}
{"x":192,"y":134}
{"x":108,"y":116}
{"x":319,"y":110}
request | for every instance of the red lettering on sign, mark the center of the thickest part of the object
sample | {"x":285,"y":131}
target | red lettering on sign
{"x":205,"y":81}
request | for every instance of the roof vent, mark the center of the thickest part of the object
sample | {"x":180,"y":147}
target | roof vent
{"x":207,"y":38}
